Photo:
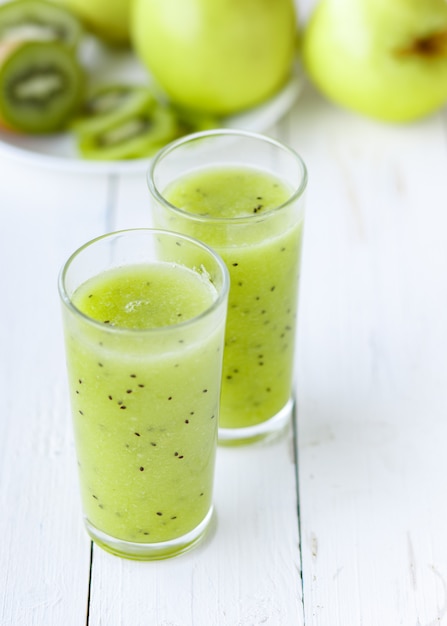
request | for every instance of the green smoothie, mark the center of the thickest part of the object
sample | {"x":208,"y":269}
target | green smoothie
{"x":262,"y":253}
{"x":145,"y":403}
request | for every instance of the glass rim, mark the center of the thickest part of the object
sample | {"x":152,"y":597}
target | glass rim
{"x":225,"y":132}
{"x":65,"y":298}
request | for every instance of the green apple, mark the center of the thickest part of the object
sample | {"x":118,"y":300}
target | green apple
{"x":386,"y":59}
{"x":109,"y":19}
{"x":218,"y":56}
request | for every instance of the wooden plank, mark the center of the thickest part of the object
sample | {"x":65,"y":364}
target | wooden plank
{"x":44,"y":551}
{"x":372,"y":397}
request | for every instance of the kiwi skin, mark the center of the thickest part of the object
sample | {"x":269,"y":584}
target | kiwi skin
{"x":41,"y":86}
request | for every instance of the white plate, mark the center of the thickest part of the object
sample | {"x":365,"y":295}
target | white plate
{"x":59,"y":151}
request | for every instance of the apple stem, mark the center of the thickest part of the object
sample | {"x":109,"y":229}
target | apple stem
{"x":429,"y":46}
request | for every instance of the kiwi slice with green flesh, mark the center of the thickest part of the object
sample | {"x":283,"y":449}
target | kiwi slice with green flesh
{"x":108,"y":105}
{"x":137,"y":136}
{"x":194,"y":121}
{"x":41,"y":85}
{"x":38,"y":20}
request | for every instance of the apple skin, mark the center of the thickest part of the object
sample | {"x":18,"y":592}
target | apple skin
{"x":218,"y":56}
{"x":386,"y":59}
{"x":108,"y":19}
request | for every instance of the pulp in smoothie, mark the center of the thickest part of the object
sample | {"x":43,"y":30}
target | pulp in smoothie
{"x":264,"y":273}
{"x":145,"y":405}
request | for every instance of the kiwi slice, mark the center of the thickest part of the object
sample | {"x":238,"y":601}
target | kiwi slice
{"x":135,"y":136}
{"x":194,"y":121}
{"x":108,"y":105}
{"x":41,"y":85}
{"x":38,"y":20}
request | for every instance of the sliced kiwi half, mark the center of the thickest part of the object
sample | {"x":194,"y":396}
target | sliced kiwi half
{"x":108,"y":105}
{"x":41,"y":85}
{"x":136,"y":136}
{"x":38,"y":20}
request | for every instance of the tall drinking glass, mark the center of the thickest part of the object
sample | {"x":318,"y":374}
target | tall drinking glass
{"x":144,"y":318}
{"x":243,"y":195}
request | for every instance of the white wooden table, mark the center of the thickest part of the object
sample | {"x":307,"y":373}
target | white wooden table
{"x":343,"y":522}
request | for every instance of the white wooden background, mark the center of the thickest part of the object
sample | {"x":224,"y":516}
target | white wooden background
{"x":343,"y":522}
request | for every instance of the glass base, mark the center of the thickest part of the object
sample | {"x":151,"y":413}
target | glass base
{"x":269,"y":429}
{"x":149,"y":551}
